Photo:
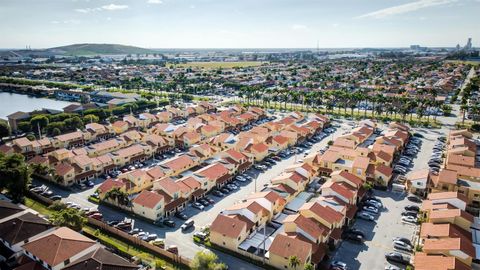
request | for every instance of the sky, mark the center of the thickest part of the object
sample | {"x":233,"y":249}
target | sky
{"x":239,"y":23}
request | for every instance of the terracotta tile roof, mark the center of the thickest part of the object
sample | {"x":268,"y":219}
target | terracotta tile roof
{"x":284,"y":247}
{"x":449,"y":244}
{"x":430,"y":230}
{"x":306,"y":225}
{"x":450,"y":213}
{"x":461,"y":160}
{"x":447,"y":177}
{"x":168,"y":185}
{"x":156,"y":173}
{"x":235,"y":154}
{"x":260,"y":147}
{"x":179,"y":162}
{"x":110,"y":184}
{"x":228,"y":226}
{"x":438,"y":262}
{"x":58,"y":246}
{"x":418,"y":174}
{"x":325,"y":212}
{"x":357,"y":181}
{"x":213,"y":171}
{"x":148,"y":199}
{"x":447,"y":195}
{"x":62,"y":169}
{"x":385,"y":170}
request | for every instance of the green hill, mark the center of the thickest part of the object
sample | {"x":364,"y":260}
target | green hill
{"x":99,"y":49}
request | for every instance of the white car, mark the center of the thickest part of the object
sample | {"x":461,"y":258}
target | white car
{"x":409,"y":219}
{"x":370,"y":209}
{"x":376,"y":203}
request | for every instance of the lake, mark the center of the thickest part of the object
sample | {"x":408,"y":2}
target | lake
{"x":11,"y":102}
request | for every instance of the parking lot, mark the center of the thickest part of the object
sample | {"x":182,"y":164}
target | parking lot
{"x":379,"y":234}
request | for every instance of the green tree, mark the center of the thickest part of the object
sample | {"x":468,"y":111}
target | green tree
{"x":14,"y":175}
{"x":206,"y":260}
{"x":4,"y":130}
{"x":69,"y":217}
{"x":90,"y":118}
{"x":39,"y":121}
{"x":57,"y":206}
{"x":294,"y":261}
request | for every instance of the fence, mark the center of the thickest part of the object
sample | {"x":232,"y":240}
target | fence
{"x":174,"y":258}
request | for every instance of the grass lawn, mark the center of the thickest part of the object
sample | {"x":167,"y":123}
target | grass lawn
{"x":214,"y":65}
{"x":128,"y":249}
{"x":38,"y":206}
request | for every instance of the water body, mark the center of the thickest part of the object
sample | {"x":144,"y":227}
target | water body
{"x":11,"y":102}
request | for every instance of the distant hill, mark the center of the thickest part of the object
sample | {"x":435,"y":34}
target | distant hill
{"x":98,"y":49}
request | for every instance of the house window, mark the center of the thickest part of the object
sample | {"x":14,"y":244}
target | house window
{"x":67,"y":261}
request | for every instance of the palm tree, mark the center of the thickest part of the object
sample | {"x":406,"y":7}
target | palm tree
{"x":464,"y":109}
{"x":293,"y":261}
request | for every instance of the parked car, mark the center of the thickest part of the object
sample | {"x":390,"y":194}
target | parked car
{"x":97,"y":216}
{"x":370,"y":209}
{"x":217,"y":193}
{"x":201,"y":235}
{"x":410,"y":214}
{"x":211,"y":201}
{"x":354,"y":237}
{"x":365,"y":216}
{"x":404,"y":240}
{"x":412,"y":208}
{"x":181,"y":215}
{"x":409,"y":219}
{"x":203,"y":202}
{"x":90,"y":183}
{"x":397,"y":257}
{"x":198,"y":205}
{"x":402,"y":246}
{"x":56,"y":198}
{"x":338,"y":264}
{"x":188,"y":224}
{"x":355,"y":231}
{"x":168,"y":222}
{"x":413,"y":198}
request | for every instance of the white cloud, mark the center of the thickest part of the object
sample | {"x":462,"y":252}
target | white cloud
{"x":114,"y":7}
{"x":66,"y":22}
{"x":299,"y":27}
{"x":110,"y":7}
{"x":405,"y":8}
{"x":154,"y":2}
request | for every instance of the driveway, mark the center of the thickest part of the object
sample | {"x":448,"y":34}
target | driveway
{"x":378,"y":235}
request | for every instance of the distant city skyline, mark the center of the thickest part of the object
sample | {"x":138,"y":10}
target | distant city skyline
{"x":239,"y":23}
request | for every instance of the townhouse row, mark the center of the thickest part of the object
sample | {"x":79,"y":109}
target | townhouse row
{"x":278,"y":223}
{"x":161,"y":191}
{"x":31,"y":242}
{"x":83,"y":163}
{"x":96,"y":132}
{"x":448,"y":239}
{"x":460,"y":171}
{"x":284,"y":220}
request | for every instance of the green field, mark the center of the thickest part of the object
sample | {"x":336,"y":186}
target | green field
{"x":214,"y":65}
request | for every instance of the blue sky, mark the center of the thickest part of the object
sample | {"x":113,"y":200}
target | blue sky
{"x":239,"y":23}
